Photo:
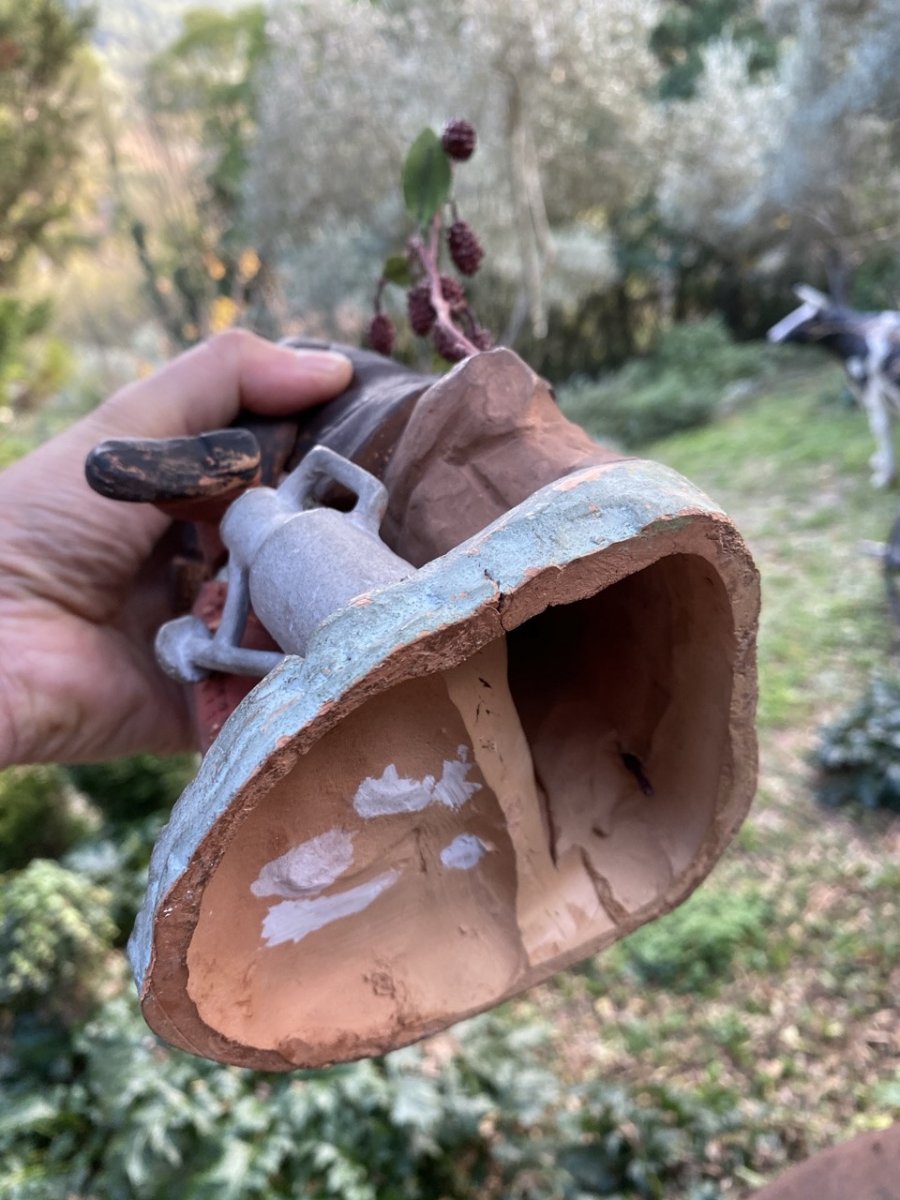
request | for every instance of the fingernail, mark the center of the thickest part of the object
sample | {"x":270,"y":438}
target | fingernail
{"x":327,"y":363}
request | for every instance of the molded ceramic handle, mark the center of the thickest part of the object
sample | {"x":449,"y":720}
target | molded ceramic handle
{"x":322,"y":465}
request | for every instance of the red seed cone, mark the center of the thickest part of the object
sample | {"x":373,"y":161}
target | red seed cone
{"x":382,"y":334}
{"x":448,"y":344}
{"x":420,"y":310}
{"x":465,"y":248}
{"x":458,"y":140}
{"x":453,"y":292}
{"x":482,"y":338}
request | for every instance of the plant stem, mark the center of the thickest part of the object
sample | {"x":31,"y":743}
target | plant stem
{"x":428,"y":255}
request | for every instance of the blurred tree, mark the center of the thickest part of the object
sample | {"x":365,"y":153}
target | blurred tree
{"x":687,"y":26}
{"x":42,"y":113}
{"x":206,"y":77}
{"x":792,"y":173}
{"x":833,"y":179}
{"x":181,"y":177}
{"x":719,"y":149}
{"x":561,"y":98}
{"x":46,"y":81}
{"x":638,"y":162}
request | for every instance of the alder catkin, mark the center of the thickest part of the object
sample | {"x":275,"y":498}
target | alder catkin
{"x":382,"y":334}
{"x":458,"y":140}
{"x":465,"y":248}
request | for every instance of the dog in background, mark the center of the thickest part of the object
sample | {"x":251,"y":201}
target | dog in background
{"x":868,"y":344}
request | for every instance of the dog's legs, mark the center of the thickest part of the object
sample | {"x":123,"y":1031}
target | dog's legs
{"x":878,"y":412}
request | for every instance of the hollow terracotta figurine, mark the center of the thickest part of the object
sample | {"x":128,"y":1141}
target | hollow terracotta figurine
{"x":476,"y":697}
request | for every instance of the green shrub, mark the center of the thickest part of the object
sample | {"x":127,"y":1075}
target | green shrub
{"x":39,"y":815}
{"x":858,"y":755}
{"x":705,"y":350}
{"x":128,"y":1119}
{"x":117,"y":860}
{"x":697,"y":945}
{"x":135,"y":788}
{"x":631,"y":416}
{"x":32,"y":365}
{"x":118,"y":1116}
{"x":55,"y":934}
{"x":11,"y":448}
{"x":692,"y":372}
{"x":647,"y":1143}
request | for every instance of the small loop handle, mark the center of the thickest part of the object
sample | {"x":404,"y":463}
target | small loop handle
{"x":324,"y":465}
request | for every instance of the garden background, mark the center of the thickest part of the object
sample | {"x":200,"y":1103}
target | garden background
{"x":652,"y":177}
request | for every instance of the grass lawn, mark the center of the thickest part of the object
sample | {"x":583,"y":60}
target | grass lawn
{"x":773,"y":990}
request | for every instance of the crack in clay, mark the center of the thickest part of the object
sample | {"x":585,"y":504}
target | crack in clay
{"x":616,"y":912}
{"x":546,"y":921}
{"x":547,"y":812}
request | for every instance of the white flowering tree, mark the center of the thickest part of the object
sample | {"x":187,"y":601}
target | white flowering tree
{"x":596,"y":180}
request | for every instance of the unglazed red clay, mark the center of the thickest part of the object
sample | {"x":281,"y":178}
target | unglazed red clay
{"x":532,"y":840}
{"x":478,"y":775}
{"x":454,"y":456}
{"x":480,"y":441}
{"x":389,"y":836}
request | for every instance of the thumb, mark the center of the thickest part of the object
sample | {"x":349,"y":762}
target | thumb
{"x":204,"y":388}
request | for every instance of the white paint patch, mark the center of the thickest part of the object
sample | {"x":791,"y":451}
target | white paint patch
{"x":464,"y":852}
{"x":392,"y":793}
{"x":453,"y":789}
{"x":307,"y":869}
{"x":293,"y":920}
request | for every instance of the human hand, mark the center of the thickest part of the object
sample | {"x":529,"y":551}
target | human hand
{"x":79,"y":601}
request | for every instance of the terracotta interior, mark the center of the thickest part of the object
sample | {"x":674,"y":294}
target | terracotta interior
{"x":465,"y":832}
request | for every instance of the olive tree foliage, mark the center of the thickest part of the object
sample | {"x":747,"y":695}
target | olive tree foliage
{"x":836,"y":172}
{"x":179,"y":173}
{"x":720,"y":144}
{"x":560,"y":95}
{"x":48,"y":86}
{"x":797,"y":165}
{"x":46,"y":90}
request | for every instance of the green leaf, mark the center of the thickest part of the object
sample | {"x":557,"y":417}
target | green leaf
{"x":396,"y":270}
{"x":426,"y":177}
